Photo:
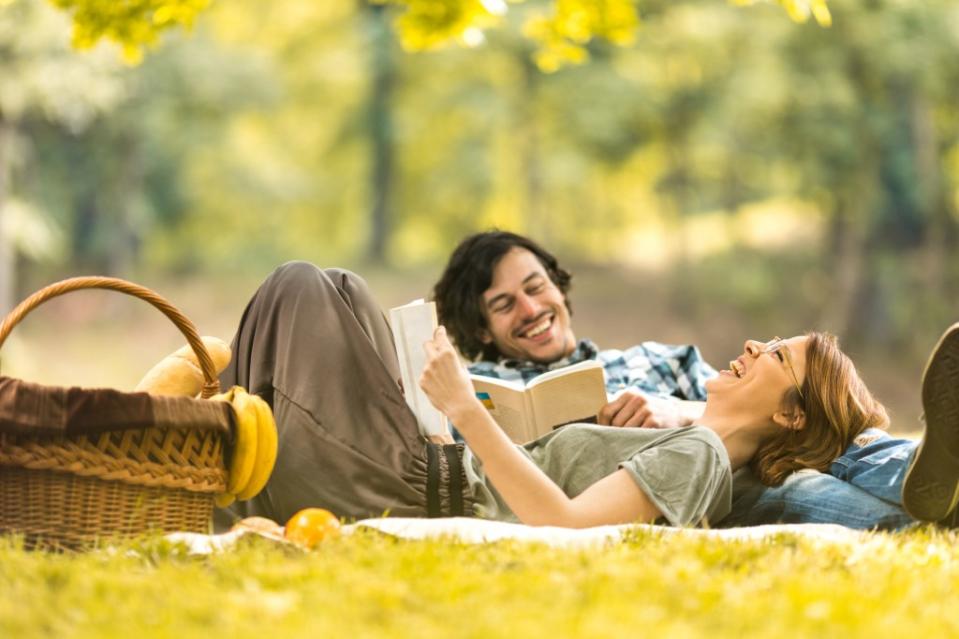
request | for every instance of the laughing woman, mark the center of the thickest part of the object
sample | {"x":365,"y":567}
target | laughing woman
{"x":784,"y":405}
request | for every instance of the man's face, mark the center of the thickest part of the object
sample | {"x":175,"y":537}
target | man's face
{"x":525,"y":312}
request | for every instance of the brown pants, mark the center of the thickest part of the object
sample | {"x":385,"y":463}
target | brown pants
{"x":318,"y":349}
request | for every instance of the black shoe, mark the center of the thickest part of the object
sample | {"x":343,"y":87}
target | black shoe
{"x":931,"y":488}
{"x":951,"y":520}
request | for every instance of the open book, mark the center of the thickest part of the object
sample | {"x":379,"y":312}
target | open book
{"x":526,"y":411}
{"x":413,"y":324}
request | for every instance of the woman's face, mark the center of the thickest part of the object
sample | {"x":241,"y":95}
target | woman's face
{"x":763,"y":373}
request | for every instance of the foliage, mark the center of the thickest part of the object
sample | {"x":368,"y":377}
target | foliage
{"x":133,"y":24}
{"x":560,"y":30}
{"x":373,"y":586}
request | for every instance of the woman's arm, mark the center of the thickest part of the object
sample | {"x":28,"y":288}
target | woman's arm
{"x":529,"y":493}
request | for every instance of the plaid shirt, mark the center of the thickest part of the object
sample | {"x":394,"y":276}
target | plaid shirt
{"x":651,"y":367}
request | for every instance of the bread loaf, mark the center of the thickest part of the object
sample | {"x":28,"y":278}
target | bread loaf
{"x":179,"y":373}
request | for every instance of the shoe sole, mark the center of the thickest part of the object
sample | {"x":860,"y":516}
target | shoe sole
{"x":931,"y":487}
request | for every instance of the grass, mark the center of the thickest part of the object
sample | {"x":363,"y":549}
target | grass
{"x":371,"y":585}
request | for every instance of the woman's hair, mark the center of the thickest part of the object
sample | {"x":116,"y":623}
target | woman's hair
{"x":838,"y":407}
{"x":469,"y":272}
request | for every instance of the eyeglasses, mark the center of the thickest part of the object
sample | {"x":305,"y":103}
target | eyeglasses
{"x":776,"y":346}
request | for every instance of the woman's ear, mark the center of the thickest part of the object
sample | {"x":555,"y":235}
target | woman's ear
{"x":794,"y":419}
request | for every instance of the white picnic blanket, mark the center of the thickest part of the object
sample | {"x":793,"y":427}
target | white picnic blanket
{"x":478,"y":531}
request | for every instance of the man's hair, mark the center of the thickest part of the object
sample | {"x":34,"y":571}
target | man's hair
{"x":469,"y":272}
{"x":838,"y":407}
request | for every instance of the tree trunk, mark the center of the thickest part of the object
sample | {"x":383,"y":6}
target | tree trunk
{"x":7,"y":263}
{"x":850,"y":235}
{"x":932,"y":196}
{"x":529,"y":149}
{"x":126,"y":240}
{"x":383,"y":75}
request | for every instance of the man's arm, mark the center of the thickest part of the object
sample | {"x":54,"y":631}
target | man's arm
{"x":636,"y":409}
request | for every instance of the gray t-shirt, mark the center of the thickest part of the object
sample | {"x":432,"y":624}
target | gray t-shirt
{"x":685,"y":472}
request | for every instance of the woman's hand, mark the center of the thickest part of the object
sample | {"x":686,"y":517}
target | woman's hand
{"x":445,"y":380}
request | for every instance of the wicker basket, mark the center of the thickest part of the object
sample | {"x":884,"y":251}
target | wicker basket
{"x":67,"y":491}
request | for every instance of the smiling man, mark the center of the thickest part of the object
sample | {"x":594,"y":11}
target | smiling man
{"x":504,"y":301}
{"x":527,"y":316}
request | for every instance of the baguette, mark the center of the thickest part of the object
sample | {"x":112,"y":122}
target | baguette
{"x":179,"y":373}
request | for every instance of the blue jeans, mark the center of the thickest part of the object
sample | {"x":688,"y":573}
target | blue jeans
{"x":861,"y":490}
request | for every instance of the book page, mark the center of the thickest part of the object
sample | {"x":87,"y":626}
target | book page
{"x":574,"y":397}
{"x":506,"y":404}
{"x":413,"y":324}
{"x":563,"y":372}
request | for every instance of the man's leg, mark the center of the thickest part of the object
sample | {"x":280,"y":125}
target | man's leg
{"x":876,"y":463}
{"x":318,"y":349}
{"x":931,"y":488}
{"x":809,"y":497}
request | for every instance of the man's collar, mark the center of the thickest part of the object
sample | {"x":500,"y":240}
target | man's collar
{"x":584,"y":350}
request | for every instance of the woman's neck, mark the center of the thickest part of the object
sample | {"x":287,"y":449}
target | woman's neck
{"x":741,"y":434}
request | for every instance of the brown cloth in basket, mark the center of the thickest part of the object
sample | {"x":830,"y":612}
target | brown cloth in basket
{"x":32,"y":409}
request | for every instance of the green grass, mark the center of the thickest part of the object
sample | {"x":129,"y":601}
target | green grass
{"x":370,"y":585}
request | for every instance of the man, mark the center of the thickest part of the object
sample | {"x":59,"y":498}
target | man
{"x":503,"y":300}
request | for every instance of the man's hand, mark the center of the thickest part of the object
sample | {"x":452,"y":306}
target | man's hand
{"x":635,"y":409}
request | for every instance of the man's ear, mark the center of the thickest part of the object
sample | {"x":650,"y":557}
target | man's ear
{"x":794,"y":419}
{"x":484,"y":336}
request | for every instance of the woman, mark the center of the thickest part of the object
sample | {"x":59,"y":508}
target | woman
{"x":314,"y":344}
{"x":783,"y":405}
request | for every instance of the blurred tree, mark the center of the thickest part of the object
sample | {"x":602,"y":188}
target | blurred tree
{"x":127,"y":177}
{"x":40,"y":78}
{"x":870,"y":143}
{"x":6,"y":253}
{"x":382,"y":72}
{"x":335,"y":144}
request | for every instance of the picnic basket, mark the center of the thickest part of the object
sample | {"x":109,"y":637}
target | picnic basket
{"x":67,"y":481}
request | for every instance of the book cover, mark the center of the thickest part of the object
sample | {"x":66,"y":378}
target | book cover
{"x":573,"y":394}
{"x":413,"y":325}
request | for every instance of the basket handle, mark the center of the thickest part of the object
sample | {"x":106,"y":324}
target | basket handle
{"x":211,"y":384}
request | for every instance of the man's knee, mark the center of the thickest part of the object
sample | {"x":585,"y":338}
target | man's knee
{"x":298,"y":278}
{"x":353,"y":285}
{"x":294,"y":274}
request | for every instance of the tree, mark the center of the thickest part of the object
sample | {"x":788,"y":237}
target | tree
{"x":31,"y":45}
{"x":382,"y":75}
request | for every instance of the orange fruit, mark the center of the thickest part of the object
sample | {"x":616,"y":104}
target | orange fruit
{"x":311,"y":526}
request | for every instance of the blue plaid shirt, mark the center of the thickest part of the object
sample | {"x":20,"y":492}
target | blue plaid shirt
{"x":651,"y":367}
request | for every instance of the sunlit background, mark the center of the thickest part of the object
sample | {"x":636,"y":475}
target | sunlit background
{"x":723,"y":172}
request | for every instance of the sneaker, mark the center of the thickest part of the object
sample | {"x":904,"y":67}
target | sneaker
{"x":931,"y":487}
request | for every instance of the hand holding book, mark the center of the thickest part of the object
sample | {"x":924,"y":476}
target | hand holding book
{"x":445,"y":380}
